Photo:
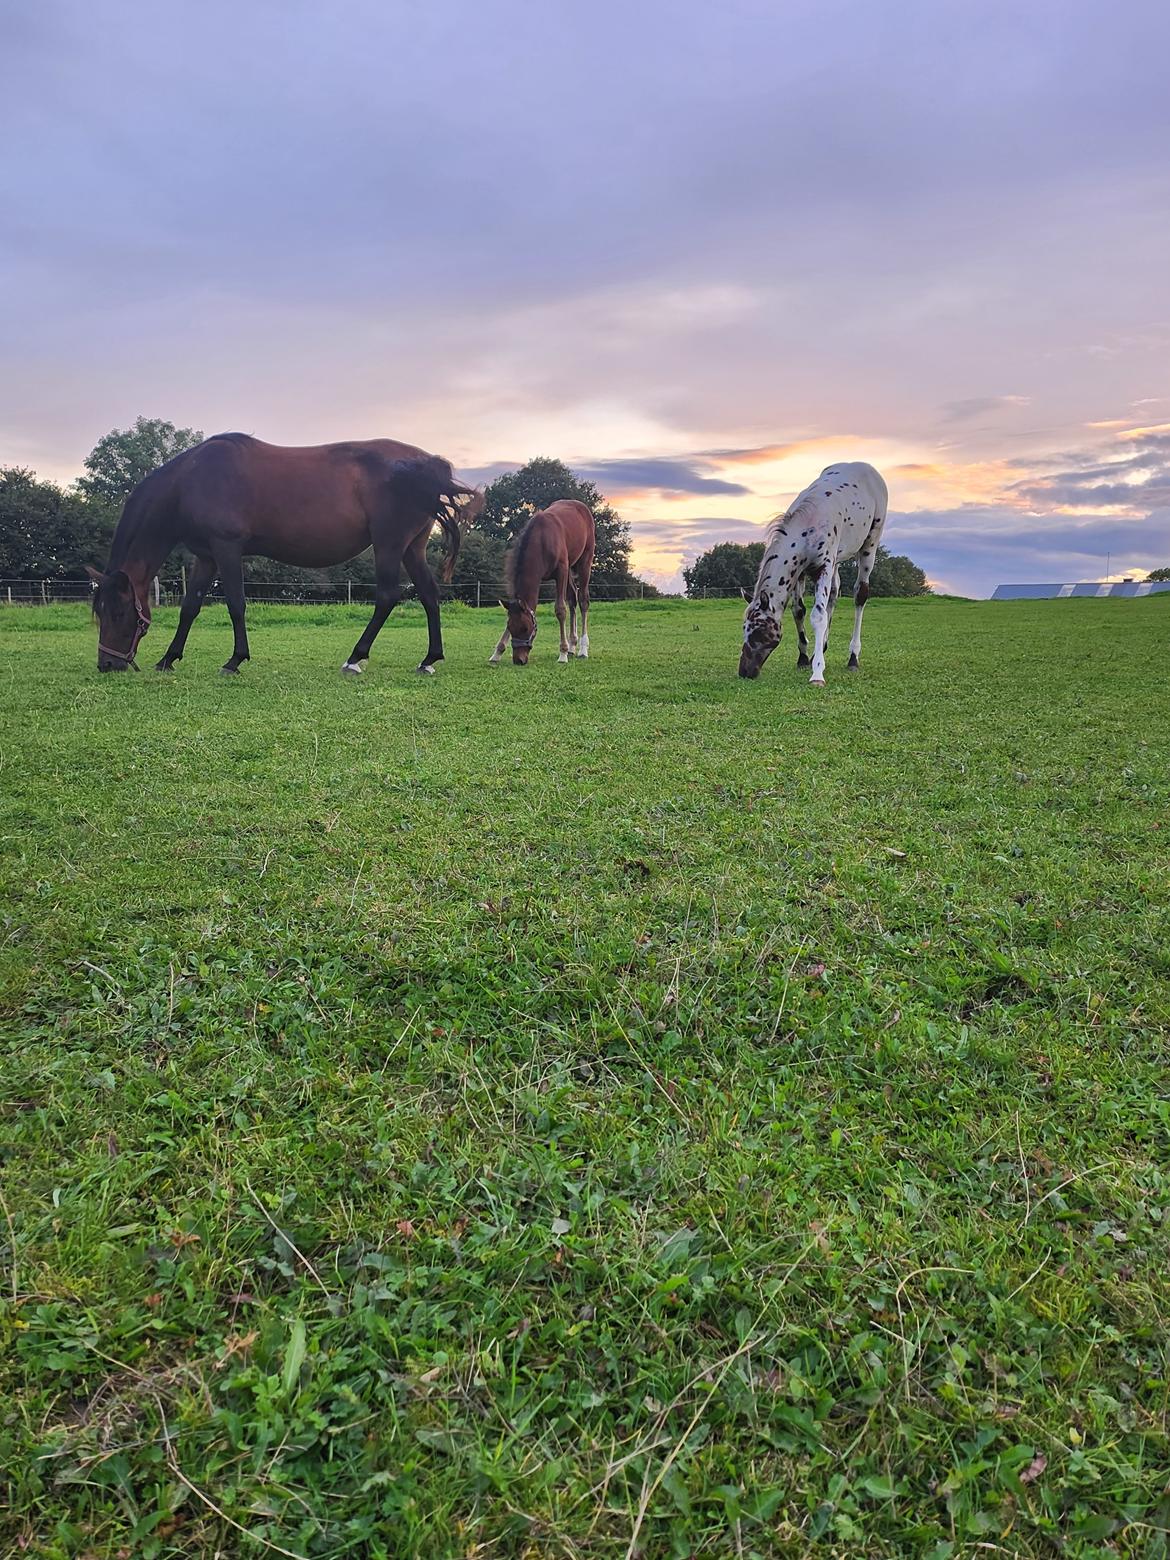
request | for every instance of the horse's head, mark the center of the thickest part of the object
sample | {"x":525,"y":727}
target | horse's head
{"x":121,"y":618}
{"x":761,"y":634}
{"x":521,"y":628}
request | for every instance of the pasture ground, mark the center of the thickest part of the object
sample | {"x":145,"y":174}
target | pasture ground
{"x":591,"y":1110}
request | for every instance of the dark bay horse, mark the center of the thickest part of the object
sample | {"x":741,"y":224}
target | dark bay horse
{"x":312,"y":506}
{"x":556,"y":542}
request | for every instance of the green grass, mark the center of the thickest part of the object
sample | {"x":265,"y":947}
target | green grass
{"x":590,"y":1109}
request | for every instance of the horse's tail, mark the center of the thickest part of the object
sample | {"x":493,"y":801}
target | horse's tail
{"x":427,"y":483}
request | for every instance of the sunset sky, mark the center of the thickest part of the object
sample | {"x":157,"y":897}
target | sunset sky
{"x":697,"y":250}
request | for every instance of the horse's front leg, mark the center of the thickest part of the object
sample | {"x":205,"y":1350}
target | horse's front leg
{"x":798,"y":618}
{"x":202,"y":575}
{"x":494,"y":658}
{"x":230,"y":564}
{"x":822,"y":613}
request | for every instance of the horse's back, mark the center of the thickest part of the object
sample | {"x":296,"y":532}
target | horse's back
{"x":842,"y":504}
{"x":574,"y":520}
{"x":856,"y":476}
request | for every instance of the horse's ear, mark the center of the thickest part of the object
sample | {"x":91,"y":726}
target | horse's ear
{"x":505,"y":605}
{"x":746,"y":594}
{"x":95,"y":574}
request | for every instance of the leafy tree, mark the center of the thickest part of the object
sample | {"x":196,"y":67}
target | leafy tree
{"x":1158,"y":574}
{"x":511,"y":501}
{"x":44,"y":532}
{"x":481,"y":559}
{"x":121,"y":458}
{"x":732,"y":566}
{"x":728,"y":566}
{"x":893,"y":575}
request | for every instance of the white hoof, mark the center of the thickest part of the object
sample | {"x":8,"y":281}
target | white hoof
{"x":582,"y":655}
{"x":493,"y":660}
{"x":563,"y":658}
{"x":353,"y":668}
{"x":817,"y":682}
{"x":425,"y":670}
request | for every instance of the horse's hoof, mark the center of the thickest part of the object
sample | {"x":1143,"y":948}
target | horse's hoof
{"x":802,"y":661}
{"x":817,"y":682}
{"x":352,"y":669}
{"x":425,"y":670}
{"x":582,"y":655}
{"x":163,"y":666}
{"x":493,"y":660}
{"x":229,"y":671}
{"x":563,"y":658}
{"x":854,"y":664}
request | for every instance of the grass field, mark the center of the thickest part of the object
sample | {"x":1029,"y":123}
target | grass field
{"x":595,"y":1110}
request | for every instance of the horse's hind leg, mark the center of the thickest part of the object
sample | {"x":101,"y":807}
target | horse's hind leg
{"x":230,"y":563}
{"x":572,"y":616}
{"x":202,"y":575}
{"x":865,"y":562}
{"x":583,"y":570}
{"x":562,"y":590}
{"x":428,"y":593}
{"x":387,"y":594}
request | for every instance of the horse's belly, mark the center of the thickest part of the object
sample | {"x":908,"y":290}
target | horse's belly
{"x":311,"y":547}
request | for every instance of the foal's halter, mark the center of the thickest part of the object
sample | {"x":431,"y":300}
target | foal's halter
{"x":526,"y":644}
{"x":140,"y":628}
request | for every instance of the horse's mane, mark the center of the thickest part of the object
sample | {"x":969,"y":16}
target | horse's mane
{"x":797,"y":511}
{"x":514,"y":562}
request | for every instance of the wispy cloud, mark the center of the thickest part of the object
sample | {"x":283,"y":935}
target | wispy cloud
{"x":980,"y":405}
{"x":656,"y":475}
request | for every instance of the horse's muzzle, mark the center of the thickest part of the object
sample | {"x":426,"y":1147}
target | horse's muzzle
{"x":519,"y":657}
{"x":749,"y":665}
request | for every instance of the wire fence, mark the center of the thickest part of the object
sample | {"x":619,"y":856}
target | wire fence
{"x":477,"y":593}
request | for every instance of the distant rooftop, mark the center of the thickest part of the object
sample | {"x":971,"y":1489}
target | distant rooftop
{"x":1090,"y":588}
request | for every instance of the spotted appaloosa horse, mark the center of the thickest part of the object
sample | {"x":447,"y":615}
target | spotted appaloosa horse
{"x":556,"y":544}
{"x":838,"y":516}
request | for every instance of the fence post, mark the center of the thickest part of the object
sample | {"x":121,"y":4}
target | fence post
{"x":349,"y":593}
{"x":44,"y":593}
{"x":157,"y":592}
{"x":10,"y":595}
{"x":704,"y":593}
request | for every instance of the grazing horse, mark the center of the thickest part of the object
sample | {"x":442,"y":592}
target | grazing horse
{"x":838,"y":516}
{"x":312,"y":506}
{"x":556,"y":541}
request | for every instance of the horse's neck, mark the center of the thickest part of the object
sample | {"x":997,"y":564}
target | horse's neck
{"x":530,"y":575}
{"x":773,"y":581}
{"x":139,"y":555}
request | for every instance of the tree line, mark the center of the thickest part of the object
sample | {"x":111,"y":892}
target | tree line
{"x":48,"y":532}
{"x":733,"y":566}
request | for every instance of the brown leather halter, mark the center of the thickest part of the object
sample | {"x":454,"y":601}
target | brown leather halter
{"x":140,"y":629}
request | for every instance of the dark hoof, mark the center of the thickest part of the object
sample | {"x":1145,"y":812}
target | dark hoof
{"x":229,"y":670}
{"x":425,"y":669}
{"x":164,"y":666}
{"x":854,"y":664}
{"x":802,"y":660}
